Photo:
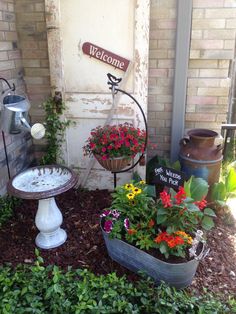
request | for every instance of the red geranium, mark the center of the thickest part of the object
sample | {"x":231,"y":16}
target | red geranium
{"x":123,"y":140}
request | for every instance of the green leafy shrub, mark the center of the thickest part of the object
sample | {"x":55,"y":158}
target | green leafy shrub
{"x":225,"y":189}
{"x":38,"y":289}
{"x":7,"y":204}
{"x":55,"y":129}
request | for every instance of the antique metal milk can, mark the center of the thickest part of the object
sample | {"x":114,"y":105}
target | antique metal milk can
{"x":199,"y":156}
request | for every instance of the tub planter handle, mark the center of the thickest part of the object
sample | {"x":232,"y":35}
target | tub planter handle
{"x":205,"y":251}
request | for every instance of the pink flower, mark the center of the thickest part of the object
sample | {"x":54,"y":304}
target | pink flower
{"x":104,"y":149}
{"x":126,"y":223}
{"x":115,"y":214}
{"x":105,"y":213}
{"x":108,"y":226}
{"x":104,"y":157}
{"x":92,"y":145}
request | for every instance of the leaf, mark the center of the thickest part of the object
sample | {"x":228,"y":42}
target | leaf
{"x":161,"y":211}
{"x":150,"y":190}
{"x":198,"y":188}
{"x":136,"y":177}
{"x":172,"y":192}
{"x":218,"y":192}
{"x":162,"y":248}
{"x":209,"y":212}
{"x":193,"y":208}
{"x":230,"y":181}
{"x":161,"y":219}
{"x":176,"y":165}
{"x":207,"y":223}
{"x":187,"y":185}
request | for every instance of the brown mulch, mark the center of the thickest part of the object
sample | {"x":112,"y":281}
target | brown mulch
{"x":85,"y":246}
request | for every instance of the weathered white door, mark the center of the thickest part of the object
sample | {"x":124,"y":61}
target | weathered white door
{"x":120,"y":27}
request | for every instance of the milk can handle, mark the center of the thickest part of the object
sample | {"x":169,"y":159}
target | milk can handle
{"x":184,"y":141}
{"x":219,"y":147}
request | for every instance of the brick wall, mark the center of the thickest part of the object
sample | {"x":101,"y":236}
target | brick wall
{"x":31,"y":28}
{"x":212,"y":49}
{"x":18,"y":146}
{"x":161,"y":64}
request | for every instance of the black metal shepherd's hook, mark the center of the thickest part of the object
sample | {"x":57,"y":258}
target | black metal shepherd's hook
{"x":12,"y":88}
{"x":113,"y":82}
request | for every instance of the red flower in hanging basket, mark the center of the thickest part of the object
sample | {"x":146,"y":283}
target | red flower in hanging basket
{"x":112,"y":141}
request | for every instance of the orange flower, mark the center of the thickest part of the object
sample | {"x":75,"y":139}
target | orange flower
{"x":131,"y":231}
{"x":151,"y":223}
{"x":175,"y":241}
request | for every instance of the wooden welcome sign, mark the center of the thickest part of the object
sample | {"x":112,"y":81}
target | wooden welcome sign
{"x":105,"y":56}
{"x":168,"y":177}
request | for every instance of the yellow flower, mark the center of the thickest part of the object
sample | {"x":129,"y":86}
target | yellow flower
{"x":185,"y":235}
{"x":142,"y":182}
{"x":190,"y":240}
{"x":181,"y":233}
{"x":129,"y":186}
{"x":130,"y":196}
{"x":137,"y":191}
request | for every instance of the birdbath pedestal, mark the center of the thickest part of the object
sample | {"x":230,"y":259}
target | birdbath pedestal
{"x":43,"y":183}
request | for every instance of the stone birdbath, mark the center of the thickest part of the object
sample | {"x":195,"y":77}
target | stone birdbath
{"x":43,"y":183}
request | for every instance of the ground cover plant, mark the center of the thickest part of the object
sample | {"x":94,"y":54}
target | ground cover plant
{"x":7,"y":205}
{"x":40,"y":289}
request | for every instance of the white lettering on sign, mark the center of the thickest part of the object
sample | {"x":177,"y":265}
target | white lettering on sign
{"x":158,"y":170}
{"x":173,"y":182}
{"x":164,"y":179}
{"x":173,"y":175}
{"x":168,"y":176}
{"x":105,"y":56}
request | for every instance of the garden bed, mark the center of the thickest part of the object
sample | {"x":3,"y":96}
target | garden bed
{"x":85,"y":246}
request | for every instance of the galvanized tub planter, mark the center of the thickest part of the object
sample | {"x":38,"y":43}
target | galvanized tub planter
{"x":177,"y":275}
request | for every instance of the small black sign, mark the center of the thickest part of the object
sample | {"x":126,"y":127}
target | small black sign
{"x":168,"y":177}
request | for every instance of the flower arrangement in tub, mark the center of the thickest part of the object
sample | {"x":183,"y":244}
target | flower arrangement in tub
{"x":170,"y":225}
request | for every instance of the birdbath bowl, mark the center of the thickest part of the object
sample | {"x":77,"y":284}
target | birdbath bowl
{"x":43,"y":183}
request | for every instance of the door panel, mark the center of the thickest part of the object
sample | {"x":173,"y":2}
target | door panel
{"x":120,"y":27}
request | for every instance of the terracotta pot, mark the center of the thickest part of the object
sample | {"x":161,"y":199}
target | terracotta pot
{"x":176,"y":275}
{"x":113,"y":164}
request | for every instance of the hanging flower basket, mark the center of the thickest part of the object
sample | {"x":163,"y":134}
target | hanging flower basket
{"x":115,"y":145}
{"x":113,"y":164}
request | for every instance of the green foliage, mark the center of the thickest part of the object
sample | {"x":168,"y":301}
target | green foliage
{"x":55,"y":130}
{"x":225,"y":189}
{"x":131,"y":214}
{"x":185,"y":212}
{"x":7,"y":204}
{"x":49,"y":290}
{"x":133,"y":200}
{"x":196,"y":188}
